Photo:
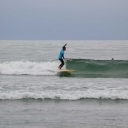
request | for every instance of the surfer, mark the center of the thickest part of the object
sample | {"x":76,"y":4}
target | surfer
{"x":61,"y":56}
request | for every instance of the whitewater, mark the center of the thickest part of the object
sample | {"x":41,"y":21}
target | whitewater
{"x":71,"y":89}
{"x":29,"y":68}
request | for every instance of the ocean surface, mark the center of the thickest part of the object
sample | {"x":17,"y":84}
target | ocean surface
{"x":35,"y":94}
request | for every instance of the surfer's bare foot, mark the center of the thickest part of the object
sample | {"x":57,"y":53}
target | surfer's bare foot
{"x":59,"y":68}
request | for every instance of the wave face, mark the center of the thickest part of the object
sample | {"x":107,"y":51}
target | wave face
{"x":99,"y":68}
{"x":85,"y":68}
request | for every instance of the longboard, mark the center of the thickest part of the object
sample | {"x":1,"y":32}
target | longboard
{"x":66,"y":70}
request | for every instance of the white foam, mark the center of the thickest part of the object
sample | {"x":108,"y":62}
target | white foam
{"x":63,"y":95}
{"x":29,"y":68}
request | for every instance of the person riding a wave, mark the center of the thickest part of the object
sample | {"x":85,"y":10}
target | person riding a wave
{"x":61,"y":56}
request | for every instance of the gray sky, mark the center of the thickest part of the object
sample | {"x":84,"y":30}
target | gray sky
{"x":64,"y":19}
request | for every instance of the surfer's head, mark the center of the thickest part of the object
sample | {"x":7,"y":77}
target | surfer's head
{"x":64,"y":48}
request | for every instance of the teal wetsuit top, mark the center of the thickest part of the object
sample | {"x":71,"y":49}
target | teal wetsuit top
{"x":61,"y":54}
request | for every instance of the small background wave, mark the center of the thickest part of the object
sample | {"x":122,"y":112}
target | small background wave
{"x":63,"y":89}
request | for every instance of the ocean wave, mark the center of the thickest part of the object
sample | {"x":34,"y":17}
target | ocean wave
{"x":98,"y":65}
{"x":99,"y":68}
{"x":29,"y":68}
{"x":63,"y":95}
{"x":85,"y":68}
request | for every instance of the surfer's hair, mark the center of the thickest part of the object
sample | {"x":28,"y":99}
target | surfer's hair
{"x":64,"y":47}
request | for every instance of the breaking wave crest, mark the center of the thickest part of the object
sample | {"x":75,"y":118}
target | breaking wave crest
{"x":64,"y":95}
{"x":29,"y":68}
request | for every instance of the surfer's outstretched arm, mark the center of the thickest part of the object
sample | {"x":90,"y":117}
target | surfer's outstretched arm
{"x":64,"y":48}
{"x":65,"y":45}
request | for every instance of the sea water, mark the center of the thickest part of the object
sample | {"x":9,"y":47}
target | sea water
{"x":33,"y":93}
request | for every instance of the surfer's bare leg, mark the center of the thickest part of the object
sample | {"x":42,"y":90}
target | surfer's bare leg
{"x":59,"y":67}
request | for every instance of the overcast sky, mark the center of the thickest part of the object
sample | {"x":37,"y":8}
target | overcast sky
{"x":64,"y":19}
